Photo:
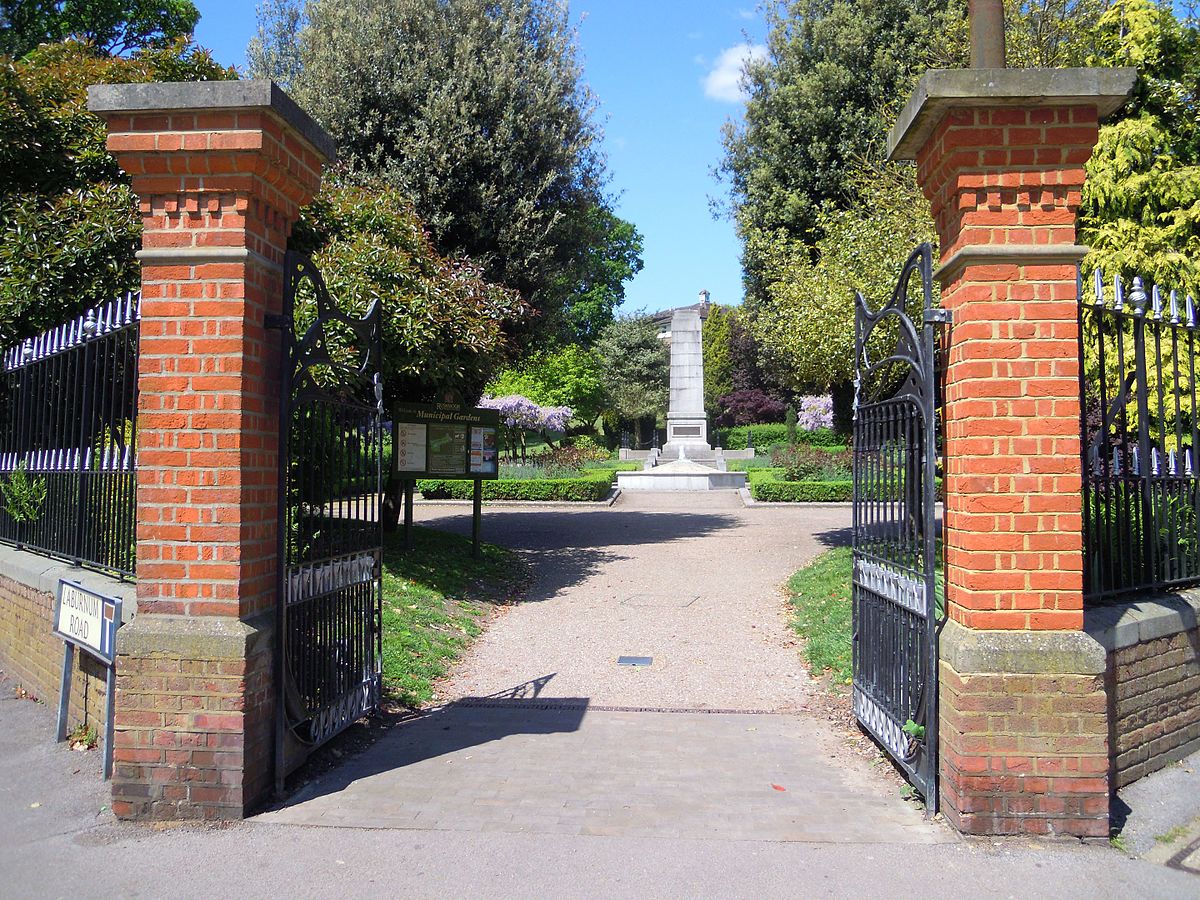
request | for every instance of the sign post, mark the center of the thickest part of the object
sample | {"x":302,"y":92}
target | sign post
{"x":88,"y":620}
{"x":445,"y":440}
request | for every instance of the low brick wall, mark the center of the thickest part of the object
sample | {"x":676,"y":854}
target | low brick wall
{"x":1153,"y":681}
{"x":29,"y":654}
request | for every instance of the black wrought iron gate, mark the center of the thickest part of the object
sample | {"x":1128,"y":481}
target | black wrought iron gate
{"x":895,"y":524}
{"x":328,"y":619}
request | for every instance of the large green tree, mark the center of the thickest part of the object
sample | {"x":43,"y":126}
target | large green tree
{"x":477,"y":110}
{"x":636,"y":367}
{"x":113,"y":27}
{"x":820,"y":102}
{"x":1141,"y":201}
{"x":68,"y":221}
{"x":568,"y":376}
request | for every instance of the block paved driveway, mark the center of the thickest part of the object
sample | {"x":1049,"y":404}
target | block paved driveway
{"x":541,"y":731}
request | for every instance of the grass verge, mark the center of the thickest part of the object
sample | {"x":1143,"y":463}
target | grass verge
{"x":435,"y":600}
{"x":820,"y":599}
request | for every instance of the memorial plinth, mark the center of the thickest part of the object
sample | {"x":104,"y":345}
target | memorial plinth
{"x":687,"y":423}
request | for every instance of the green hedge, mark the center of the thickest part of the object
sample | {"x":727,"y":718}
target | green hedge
{"x":768,"y":486}
{"x":765,"y":435}
{"x":594,"y":486}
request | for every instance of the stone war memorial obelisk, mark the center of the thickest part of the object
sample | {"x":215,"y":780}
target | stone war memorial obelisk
{"x":687,"y":423}
{"x":687,"y":461}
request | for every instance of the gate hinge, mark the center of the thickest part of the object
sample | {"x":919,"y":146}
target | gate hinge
{"x":939,"y":316}
{"x":275,"y":320}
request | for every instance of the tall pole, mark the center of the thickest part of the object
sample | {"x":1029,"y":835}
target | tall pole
{"x":987,"y":34}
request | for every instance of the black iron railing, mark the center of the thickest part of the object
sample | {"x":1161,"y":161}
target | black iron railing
{"x":1138,"y":393}
{"x":68,"y":414}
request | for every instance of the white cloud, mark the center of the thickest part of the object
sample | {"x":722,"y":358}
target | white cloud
{"x":746,"y":14}
{"x":724,"y":81}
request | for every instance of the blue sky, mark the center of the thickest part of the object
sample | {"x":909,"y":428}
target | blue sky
{"x":665,"y":74}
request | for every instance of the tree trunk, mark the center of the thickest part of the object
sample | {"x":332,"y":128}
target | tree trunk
{"x":842,"y":395}
{"x":393,"y":491}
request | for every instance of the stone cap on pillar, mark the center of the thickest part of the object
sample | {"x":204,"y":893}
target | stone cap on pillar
{"x":941,"y":90}
{"x":200,"y":96}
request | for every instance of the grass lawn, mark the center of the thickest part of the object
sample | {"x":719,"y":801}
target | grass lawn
{"x":820,"y":598}
{"x":435,"y":600}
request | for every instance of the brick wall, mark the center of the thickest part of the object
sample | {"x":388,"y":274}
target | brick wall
{"x":1010,"y":180}
{"x":1155,"y":704}
{"x":1024,"y":732}
{"x":195,"y":734}
{"x":1024,"y":753}
{"x":32,"y":657}
{"x":220,"y":170}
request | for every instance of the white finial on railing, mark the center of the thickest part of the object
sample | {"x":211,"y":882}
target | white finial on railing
{"x":90,"y":324}
{"x":1118,"y":293}
{"x":1172,"y":463}
{"x":1098,"y":287}
{"x":1156,"y":306}
{"x":1174,"y":307}
{"x":1154,"y":461}
{"x":1187,"y":462}
{"x":1116,"y":461}
{"x":1137,"y":468}
{"x":1189,"y":307}
{"x":1137,"y":296}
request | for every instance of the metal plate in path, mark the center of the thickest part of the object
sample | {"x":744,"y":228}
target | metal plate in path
{"x":634,"y":660}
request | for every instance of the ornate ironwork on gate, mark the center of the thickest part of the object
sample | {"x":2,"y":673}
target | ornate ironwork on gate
{"x":895,"y":523}
{"x":328,"y":620}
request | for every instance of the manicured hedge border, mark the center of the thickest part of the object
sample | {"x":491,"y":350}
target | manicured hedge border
{"x":765,"y":435}
{"x":594,"y":487}
{"x":768,"y":486}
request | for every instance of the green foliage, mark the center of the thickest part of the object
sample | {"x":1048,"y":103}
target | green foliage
{"x":569,"y":376}
{"x":718,"y":355}
{"x":274,"y":51}
{"x":594,"y":486}
{"x":789,"y":423}
{"x":769,"y":486}
{"x":477,"y":111}
{"x":820,"y":598}
{"x":435,"y":598}
{"x":113,"y":27}
{"x":635,"y":367}
{"x":803,"y":318}
{"x":443,"y":321}
{"x":801,"y":463}
{"x":23,"y":494}
{"x":767,"y":435}
{"x":69,"y":226}
{"x":820,"y":103}
{"x":1141,"y":201}
{"x":601,"y":252}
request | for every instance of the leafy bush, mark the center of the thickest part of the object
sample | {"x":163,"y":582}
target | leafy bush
{"x":746,"y":407}
{"x":767,"y":434}
{"x":766,"y":486}
{"x":590,"y":445}
{"x":802,"y":463}
{"x":23,"y":495}
{"x":593,"y":486}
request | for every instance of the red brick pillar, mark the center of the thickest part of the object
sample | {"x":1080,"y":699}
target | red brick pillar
{"x":220,"y":170}
{"x":1000,"y":155}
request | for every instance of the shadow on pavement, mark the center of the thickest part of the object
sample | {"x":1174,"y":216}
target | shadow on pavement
{"x":565,"y":547}
{"x":465,"y":723}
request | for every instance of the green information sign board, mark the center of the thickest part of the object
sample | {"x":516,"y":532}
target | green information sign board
{"x":444,"y":440}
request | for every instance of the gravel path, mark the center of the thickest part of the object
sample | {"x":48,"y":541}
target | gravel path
{"x":692,"y":580}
